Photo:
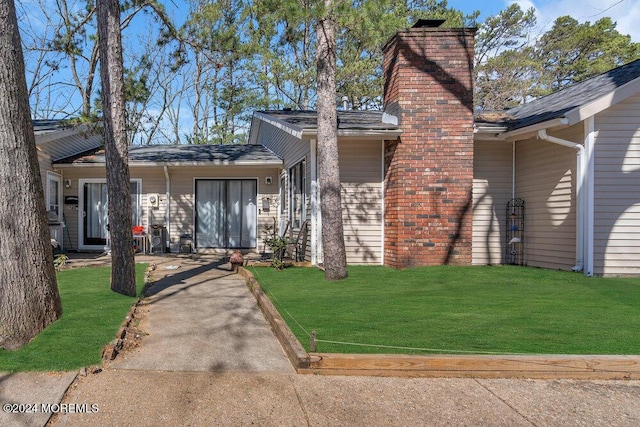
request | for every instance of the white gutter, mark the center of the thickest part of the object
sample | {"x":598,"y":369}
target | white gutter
{"x":265,"y":163}
{"x":526,"y":131}
{"x":581,"y":210}
{"x":168,"y":196}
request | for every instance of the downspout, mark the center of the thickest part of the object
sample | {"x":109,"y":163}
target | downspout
{"x":167,"y":215}
{"x":580,"y":199}
{"x":589,"y":165}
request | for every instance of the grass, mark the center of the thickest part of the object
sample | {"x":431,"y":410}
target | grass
{"x":449,"y":309}
{"x":92,"y":314}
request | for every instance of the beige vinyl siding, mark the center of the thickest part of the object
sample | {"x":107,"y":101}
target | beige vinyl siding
{"x":492,"y":182}
{"x":72,"y":212}
{"x":152,"y":180}
{"x":63,"y":145}
{"x":361,"y":176}
{"x":546,"y":181}
{"x":44,"y":162}
{"x":617,"y":190}
{"x":289,"y":148}
{"x":182,"y":196}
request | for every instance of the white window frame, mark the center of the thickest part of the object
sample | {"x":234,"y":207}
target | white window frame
{"x":297,"y":193}
{"x":57,"y":178}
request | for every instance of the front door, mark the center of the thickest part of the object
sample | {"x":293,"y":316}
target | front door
{"x":94,"y":217}
{"x":226,"y":213}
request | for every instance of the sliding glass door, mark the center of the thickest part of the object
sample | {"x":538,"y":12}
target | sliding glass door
{"x":226,"y":213}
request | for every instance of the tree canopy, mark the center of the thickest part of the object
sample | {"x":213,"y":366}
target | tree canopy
{"x":200,"y":79}
{"x":513,"y":67}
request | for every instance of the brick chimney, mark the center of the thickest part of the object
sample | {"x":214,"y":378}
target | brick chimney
{"x":428,"y":74}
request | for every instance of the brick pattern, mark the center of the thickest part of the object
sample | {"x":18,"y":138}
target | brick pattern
{"x":429,"y":171}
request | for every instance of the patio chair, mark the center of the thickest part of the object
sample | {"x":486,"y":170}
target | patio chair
{"x":298,"y":247}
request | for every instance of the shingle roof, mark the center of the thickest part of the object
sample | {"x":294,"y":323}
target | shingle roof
{"x":186,"y":154}
{"x":41,"y":127}
{"x":558,"y":103}
{"x":347,"y":120}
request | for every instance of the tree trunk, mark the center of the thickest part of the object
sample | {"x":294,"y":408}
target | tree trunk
{"x":335,"y":258}
{"x":29,"y":298}
{"x":116,"y":148}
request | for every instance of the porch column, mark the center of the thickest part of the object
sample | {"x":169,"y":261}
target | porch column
{"x":314,"y":199}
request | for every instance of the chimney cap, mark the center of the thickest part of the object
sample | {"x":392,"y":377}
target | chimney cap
{"x":428,"y":23}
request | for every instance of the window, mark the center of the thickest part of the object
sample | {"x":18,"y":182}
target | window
{"x":135,"y":202}
{"x":297,"y":197}
{"x":53,"y":197}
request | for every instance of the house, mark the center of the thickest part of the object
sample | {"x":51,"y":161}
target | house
{"x":56,"y":140}
{"x":213,"y":197}
{"x":574,"y":158}
{"x":423,"y":182}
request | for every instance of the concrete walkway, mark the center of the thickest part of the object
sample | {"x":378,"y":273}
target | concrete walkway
{"x":202,"y":317}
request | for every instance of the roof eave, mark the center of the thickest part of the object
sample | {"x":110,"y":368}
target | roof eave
{"x":59,"y":134}
{"x":531,"y":130}
{"x":614,"y":97}
{"x":265,"y":163}
{"x":296,"y":131}
{"x":488,"y":132}
{"x":387,"y":134}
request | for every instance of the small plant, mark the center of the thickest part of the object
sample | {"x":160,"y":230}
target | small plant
{"x":60,"y":261}
{"x":277,"y":244}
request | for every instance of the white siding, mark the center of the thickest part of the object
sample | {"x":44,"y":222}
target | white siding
{"x":617,"y":190}
{"x":546,"y":181}
{"x":361,"y":176}
{"x":492,"y":181}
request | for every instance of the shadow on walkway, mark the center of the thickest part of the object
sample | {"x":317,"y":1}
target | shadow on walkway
{"x":200,"y":316}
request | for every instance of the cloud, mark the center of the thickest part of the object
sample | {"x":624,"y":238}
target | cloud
{"x":625,"y":12}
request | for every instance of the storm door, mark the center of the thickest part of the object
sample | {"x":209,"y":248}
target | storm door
{"x":94,"y":212}
{"x":226,"y":213}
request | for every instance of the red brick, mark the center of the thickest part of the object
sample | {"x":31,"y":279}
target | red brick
{"x":429,"y":172}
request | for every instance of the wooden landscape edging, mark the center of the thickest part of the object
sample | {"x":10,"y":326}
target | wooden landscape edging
{"x":297,"y":355}
{"x":596,"y":367}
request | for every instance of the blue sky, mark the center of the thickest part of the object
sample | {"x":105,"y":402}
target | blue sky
{"x":625,"y":12}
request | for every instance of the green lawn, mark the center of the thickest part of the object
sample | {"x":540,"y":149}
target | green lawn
{"x":91,"y":316}
{"x":459,"y":309}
